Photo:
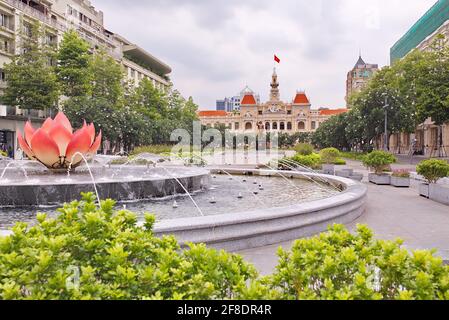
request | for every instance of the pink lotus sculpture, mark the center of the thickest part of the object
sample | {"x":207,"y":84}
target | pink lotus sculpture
{"x":56,"y":146}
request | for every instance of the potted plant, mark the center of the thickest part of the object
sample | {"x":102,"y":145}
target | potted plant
{"x":379,"y":161}
{"x":328,"y":157}
{"x":433,"y":170}
{"x":400,"y":179}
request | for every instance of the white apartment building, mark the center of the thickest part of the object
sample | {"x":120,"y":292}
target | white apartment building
{"x":59,"y":16}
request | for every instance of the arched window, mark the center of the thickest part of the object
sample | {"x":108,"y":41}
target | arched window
{"x":248,"y":126}
{"x":267,"y":126}
{"x":275,"y":125}
{"x":289,"y":126}
{"x":282,"y":126}
{"x":301,"y":125}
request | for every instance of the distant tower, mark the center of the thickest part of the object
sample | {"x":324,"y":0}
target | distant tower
{"x":359,"y":76}
{"x":274,"y":94}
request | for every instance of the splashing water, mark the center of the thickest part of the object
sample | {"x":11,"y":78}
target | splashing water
{"x":90,"y":172}
{"x":9,"y":166}
{"x":185,"y":190}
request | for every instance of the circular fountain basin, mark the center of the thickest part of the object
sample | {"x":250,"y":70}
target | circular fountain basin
{"x":267,"y":226}
{"x":131,"y":183}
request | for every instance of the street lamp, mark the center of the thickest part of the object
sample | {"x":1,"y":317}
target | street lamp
{"x":386,"y":105}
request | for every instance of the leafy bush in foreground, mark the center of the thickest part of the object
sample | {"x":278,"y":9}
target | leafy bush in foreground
{"x":91,"y":253}
{"x":115,"y":259}
{"x":344,"y":266}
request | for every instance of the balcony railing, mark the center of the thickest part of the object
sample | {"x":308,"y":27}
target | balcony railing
{"x":24,"y":113}
{"x":36,"y":14}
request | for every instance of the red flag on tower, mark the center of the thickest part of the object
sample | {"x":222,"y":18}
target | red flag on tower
{"x":277,"y":59}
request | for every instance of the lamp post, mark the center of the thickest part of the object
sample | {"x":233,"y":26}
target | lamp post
{"x":386,"y":105}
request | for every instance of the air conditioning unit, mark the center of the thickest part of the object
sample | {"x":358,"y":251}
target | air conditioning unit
{"x":41,"y":114}
{"x":19,"y":112}
{"x":3,"y":111}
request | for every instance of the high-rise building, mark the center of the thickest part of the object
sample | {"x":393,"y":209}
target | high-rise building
{"x":429,"y":139}
{"x":359,"y":76}
{"x":59,"y":16}
{"x":231,"y":104}
{"x":422,"y":34}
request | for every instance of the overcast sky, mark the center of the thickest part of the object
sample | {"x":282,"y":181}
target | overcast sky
{"x":217,"y":47}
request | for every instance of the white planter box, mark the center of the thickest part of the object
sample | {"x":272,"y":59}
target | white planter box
{"x":356,"y":177}
{"x":381,"y":180}
{"x":439,"y":193}
{"x":329,"y":169}
{"x":399,"y":182}
{"x":424,"y":190}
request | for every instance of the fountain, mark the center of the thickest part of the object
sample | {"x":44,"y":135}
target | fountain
{"x":223,"y":206}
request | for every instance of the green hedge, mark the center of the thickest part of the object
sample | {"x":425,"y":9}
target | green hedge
{"x":102,"y":253}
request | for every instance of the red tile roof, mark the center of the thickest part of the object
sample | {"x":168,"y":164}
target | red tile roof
{"x":333,"y":112}
{"x":248,"y":100}
{"x":301,"y":98}
{"x":212,"y":113}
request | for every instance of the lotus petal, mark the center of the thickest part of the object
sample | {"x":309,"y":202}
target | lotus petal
{"x":81,"y":143}
{"x":29,"y":131}
{"x":91,"y":129}
{"x":64,"y":121}
{"x":48,"y":124}
{"x":45,"y":149}
{"x":96,"y":145}
{"x":61,"y":136}
{"x":24,"y":146}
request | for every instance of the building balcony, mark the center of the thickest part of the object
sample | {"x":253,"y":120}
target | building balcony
{"x":16,"y":113}
{"x":35,"y":13}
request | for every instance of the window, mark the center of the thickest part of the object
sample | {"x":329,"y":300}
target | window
{"x":267,"y":126}
{"x":248,"y":126}
{"x":289,"y":112}
{"x":289,"y":126}
{"x":275,"y":125}
{"x":2,"y":75}
{"x":301,"y":125}
{"x":236,"y":126}
{"x":4,"y":20}
{"x":260,"y":113}
{"x":313,"y":125}
{"x":282,"y":126}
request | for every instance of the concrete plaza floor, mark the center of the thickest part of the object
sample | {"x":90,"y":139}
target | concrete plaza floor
{"x":391,"y":213}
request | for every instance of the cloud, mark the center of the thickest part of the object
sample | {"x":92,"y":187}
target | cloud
{"x":216,"y":47}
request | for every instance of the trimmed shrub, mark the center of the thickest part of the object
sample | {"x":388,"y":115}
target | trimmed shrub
{"x":304,"y":149}
{"x":340,"y":265}
{"x":340,"y":162}
{"x":378,"y":161}
{"x":312,"y":161}
{"x":433,"y":170}
{"x":401,"y":174}
{"x":329,"y":155}
{"x":91,"y":253}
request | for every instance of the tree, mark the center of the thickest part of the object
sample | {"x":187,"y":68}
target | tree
{"x":32,"y":83}
{"x":433,"y":83}
{"x":107,"y":78}
{"x":73,"y":70}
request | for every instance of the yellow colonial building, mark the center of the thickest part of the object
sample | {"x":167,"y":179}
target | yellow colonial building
{"x":271,"y":116}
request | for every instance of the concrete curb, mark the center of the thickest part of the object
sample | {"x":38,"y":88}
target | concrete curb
{"x":246,"y":230}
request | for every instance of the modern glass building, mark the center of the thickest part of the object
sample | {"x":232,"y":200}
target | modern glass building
{"x":424,"y":28}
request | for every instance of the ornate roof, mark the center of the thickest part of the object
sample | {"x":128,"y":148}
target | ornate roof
{"x":248,"y":100}
{"x":301,"y":98}
{"x":212,"y":113}
{"x":333,"y":112}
